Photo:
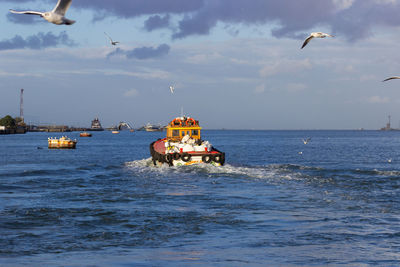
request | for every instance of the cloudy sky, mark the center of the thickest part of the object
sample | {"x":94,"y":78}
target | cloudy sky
{"x":234,"y":63}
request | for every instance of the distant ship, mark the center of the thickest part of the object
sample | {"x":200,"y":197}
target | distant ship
{"x":389,"y":127}
{"x":153,"y":128}
{"x":96,"y":125}
{"x":120,"y":127}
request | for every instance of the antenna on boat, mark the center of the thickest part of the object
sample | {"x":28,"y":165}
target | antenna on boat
{"x":181,"y":111}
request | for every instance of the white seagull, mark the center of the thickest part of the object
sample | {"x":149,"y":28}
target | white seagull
{"x":391,"y":78}
{"x":305,"y":141}
{"x":172,"y":88}
{"x":111,"y":40}
{"x":315,"y":35}
{"x":56,"y":16}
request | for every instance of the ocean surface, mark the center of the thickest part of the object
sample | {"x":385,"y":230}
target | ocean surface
{"x":277,"y":202}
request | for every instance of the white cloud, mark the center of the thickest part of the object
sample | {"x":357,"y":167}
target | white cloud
{"x":343,"y":4}
{"x":145,"y":73}
{"x":348,"y":68}
{"x":369,"y":77}
{"x":378,"y":100}
{"x":20,"y":74}
{"x":296,"y":87}
{"x":131,"y":93}
{"x":285,"y":66}
{"x":385,"y":2}
{"x":203,"y":58}
{"x":260,"y":89}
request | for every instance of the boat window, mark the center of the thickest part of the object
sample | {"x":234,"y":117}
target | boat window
{"x":175,"y":133}
{"x":195,"y":132}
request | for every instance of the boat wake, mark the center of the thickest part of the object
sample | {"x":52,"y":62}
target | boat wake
{"x":274,"y":171}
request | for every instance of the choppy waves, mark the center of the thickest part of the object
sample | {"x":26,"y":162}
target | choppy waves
{"x":268,"y":207}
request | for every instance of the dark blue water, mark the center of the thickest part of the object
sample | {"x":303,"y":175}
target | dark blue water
{"x":104,"y":204}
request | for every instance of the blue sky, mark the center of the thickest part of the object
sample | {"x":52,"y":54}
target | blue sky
{"x":235,"y":63}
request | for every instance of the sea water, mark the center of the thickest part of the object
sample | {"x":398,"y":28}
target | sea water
{"x":276,"y":202}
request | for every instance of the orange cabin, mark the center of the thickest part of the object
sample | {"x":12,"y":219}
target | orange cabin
{"x":179,"y":127}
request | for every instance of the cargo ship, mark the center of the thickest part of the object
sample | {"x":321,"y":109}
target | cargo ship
{"x":61,"y":143}
{"x":96,"y":125}
{"x":183,"y":146}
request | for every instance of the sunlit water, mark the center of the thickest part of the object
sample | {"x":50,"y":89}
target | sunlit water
{"x":334,"y":201}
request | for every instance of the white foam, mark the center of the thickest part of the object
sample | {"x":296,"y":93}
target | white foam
{"x":271,"y":172}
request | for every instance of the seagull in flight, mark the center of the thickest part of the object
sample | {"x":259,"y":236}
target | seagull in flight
{"x":111,"y":40}
{"x":315,"y":35}
{"x":305,"y":141}
{"x":56,"y":16}
{"x":391,"y":78}
{"x":172,"y":88}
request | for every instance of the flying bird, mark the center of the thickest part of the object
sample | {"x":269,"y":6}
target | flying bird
{"x":111,"y":40}
{"x":172,"y":88}
{"x":305,"y":141}
{"x":391,"y":78}
{"x":315,"y":35}
{"x":56,"y":16}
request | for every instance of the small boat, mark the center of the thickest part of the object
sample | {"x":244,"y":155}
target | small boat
{"x":115,"y":132}
{"x":85,"y":134}
{"x":62,"y":143}
{"x":184,"y":146}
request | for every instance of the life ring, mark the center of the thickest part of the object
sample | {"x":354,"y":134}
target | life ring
{"x":168,"y":158}
{"x":176,"y":122}
{"x":206,"y":158}
{"x":190,"y":122}
{"x":176,"y":156}
{"x":186,"y":157}
{"x":219,"y":158}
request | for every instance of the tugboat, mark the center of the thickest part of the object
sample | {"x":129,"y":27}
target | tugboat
{"x":62,"y":143}
{"x":184,"y":146}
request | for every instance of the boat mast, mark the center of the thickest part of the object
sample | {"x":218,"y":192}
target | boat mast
{"x":21,"y":106}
